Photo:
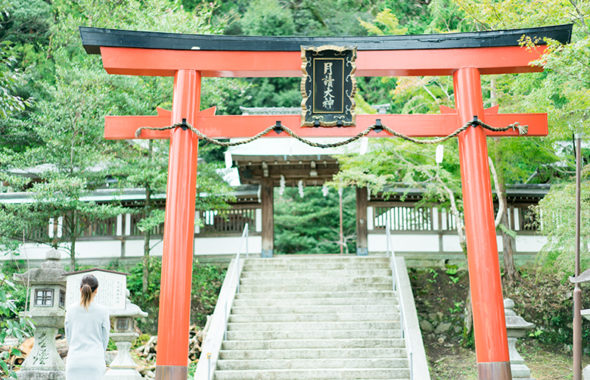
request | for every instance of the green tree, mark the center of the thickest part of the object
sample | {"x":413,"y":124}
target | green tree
{"x":11,"y":323}
{"x":311,"y":224}
{"x":73,"y":95}
{"x":10,"y":77}
{"x":562,"y":90}
{"x":268,"y":18}
{"x":557,"y":213}
{"x":387,"y":162}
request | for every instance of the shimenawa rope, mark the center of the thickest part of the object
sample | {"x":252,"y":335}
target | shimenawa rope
{"x":377,"y":127}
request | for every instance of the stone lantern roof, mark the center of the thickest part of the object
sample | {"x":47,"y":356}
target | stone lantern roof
{"x":130,"y":310}
{"x":50,"y":273}
{"x":516,"y":326}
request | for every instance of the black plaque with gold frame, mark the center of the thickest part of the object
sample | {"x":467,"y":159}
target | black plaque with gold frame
{"x":328,"y":86}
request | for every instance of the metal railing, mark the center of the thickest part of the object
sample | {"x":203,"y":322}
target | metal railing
{"x":396,"y":287}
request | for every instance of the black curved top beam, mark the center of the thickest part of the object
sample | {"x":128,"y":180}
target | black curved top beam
{"x":94,"y":38}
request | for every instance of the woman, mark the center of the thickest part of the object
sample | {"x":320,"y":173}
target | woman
{"x":87,"y":332}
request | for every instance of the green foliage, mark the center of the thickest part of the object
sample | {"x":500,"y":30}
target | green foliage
{"x":206,"y":283}
{"x":28,"y":22}
{"x":311,"y":224}
{"x":545,"y":299}
{"x":10,"y":102}
{"x":147,"y":301}
{"x":491,"y":14}
{"x":12,"y":226}
{"x":12,"y":300}
{"x":556,"y":213}
{"x":72,"y":95}
{"x":386,"y":23}
{"x":563,"y":89}
{"x":303,"y":17}
{"x":268,"y":18}
{"x":425,"y":16}
{"x":390,"y":162}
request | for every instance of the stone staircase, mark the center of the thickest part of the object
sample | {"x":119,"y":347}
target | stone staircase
{"x":314,"y":317}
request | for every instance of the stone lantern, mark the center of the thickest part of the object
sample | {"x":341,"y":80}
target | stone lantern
{"x":516,"y":327}
{"x":47,"y":310}
{"x":123,"y":367}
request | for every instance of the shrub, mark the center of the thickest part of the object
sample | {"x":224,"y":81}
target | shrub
{"x":206,"y":283}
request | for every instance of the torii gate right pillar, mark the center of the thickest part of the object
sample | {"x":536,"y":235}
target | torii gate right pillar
{"x":489,"y":322}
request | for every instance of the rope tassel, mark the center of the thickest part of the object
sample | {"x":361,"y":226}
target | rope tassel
{"x":522,"y":129}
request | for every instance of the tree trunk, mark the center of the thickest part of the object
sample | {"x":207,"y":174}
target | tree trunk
{"x":468,"y":321}
{"x":147,"y":234}
{"x":508,"y":243}
{"x":146,"y":243}
{"x":73,"y":232}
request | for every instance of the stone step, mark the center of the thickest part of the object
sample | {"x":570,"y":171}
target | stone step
{"x":311,"y":344}
{"x":314,"y":334}
{"x":289,"y":308}
{"x":311,"y":326}
{"x":318,"y":287}
{"x":312,"y":317}
{"x":303,"y":267}
{"x":318,"y":273}
{"x":314,"y":374}
{"x":319,"y":258}
{"x":319,"y":317}
{"x":255,"y":300}
{"x":311,"y":363}
{"x":324,"y":353}
{"x":317,"y":281}
{"x":368,"y":295}
{"x":315,"y":317}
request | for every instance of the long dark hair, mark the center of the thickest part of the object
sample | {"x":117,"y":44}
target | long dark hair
{"x":87,"y":287}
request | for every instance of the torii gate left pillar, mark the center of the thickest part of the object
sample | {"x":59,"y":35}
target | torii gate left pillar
{"x":465,"y":57}
{"x":177,"y":263}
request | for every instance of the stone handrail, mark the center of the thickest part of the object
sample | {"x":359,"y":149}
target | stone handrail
{"x":418,"y":364}
{"x":218,"y":326}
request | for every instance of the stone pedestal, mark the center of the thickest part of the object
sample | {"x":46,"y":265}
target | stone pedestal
{"x":516,"y":327}
{"x":44,"y":362}
{"x":47,"y":312}
{"x":123,"y":367}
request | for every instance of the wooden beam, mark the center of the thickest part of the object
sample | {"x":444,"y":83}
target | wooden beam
{"x":362,"y":234}
{"x":161,"y":62}
{"x":243,"y":126}
{"x":267,"y":195}
{"x":537,"y":123}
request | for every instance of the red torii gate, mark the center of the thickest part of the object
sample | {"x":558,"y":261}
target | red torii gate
{"x":465,"y":56}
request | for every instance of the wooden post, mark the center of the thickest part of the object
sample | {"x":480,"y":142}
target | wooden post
{"x":268,"y":223}
{"x":177,"y":258}
{"x":362,"y":202}
{"x":489,"y":324}
{"x":577,"y":322}
{"x":341,"y":221}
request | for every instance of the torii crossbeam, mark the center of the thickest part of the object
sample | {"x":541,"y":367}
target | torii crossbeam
{"x":465,"y":56}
